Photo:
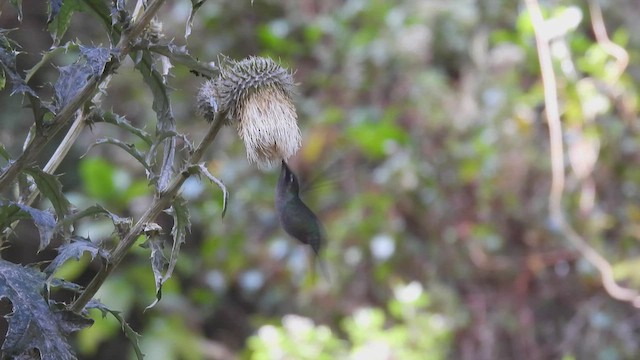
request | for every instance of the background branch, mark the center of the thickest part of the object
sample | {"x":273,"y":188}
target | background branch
{"x":557,"y":164}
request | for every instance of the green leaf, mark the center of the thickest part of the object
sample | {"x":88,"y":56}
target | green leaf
{"x":133,"y":336}
{"x":166,"y":122}
{"x":158,"y":265}
{"x":74,"y":250}
{"x":44,"y":220}
{"x":122,"y":225}
{"x":60,"y":13}
{"x":181,"y":225}
{"x":34,"y":323}
{"x":129,"y":148}
{"x":51,"y":188}
{"x":99,"y":115}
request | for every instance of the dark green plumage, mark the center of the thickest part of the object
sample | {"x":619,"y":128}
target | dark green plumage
{"x":295,"y":217}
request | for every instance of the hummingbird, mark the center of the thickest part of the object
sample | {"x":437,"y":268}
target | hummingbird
{"x":296,"y":218}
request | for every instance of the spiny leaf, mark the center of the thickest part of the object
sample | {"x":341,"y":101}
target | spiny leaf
{"x":162,"y":107}
{"x":158,"y":265}
{"x":181,"y":225}
{"x":51,"y":188}
{"x":34,"y":323}
{"x":44,"y":221}
{"x":122,"y":225}
{"x":96,"y":58}
{"x":128,"y":331}
{"x":8,"y":64}
{"x":129,"y":148}
{"x":195,"y":5}
{"x":180,"y":55}
{"x":225,"y":194}
{"x":74,"y":250}
{"x":75,"y":76}
{"x":99,"y":115}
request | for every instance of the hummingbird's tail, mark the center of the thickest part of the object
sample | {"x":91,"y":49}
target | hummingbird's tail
{"x":323,"y":267}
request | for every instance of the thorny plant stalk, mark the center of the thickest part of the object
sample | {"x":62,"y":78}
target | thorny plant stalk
{"x":160,"y":202}
{"x":43,"y":136}
{"x":557,"y":163}
{"x":62,"y":151}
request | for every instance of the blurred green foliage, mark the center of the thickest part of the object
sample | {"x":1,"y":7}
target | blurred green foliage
{"x":424,"y":121}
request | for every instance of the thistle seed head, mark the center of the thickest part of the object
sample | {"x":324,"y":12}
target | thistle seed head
{"x":255,"y":94}
{"x":268,"y":126}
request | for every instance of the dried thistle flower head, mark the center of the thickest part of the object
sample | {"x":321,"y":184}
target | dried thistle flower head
{"x":207,"y":100}
{"x":255,"y":93}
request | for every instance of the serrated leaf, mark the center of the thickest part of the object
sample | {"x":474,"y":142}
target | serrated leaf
{"x":162,"y":107}
{"x":180,"y":55}
{"x":96,"y":58}
{"x":195,"y":5}
{"x":121,"y":225}
{"x":131,"y":334}
{"x":44,"y":220}
{"x":34,"y":323}
{"x":99,"y":115}
{"x":225,"y":194}
{"x":74,"y":77}
{"x":158,"y":265}
{"x":181,"y":225}
{"x":71,"y":80}
{"x":51,"y":188}
{"x":74,"y":250}
{"x":60,"y":16}
{"x":129,"y":148}
{"x":66,"y":285}
{"x":8,"y":65}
